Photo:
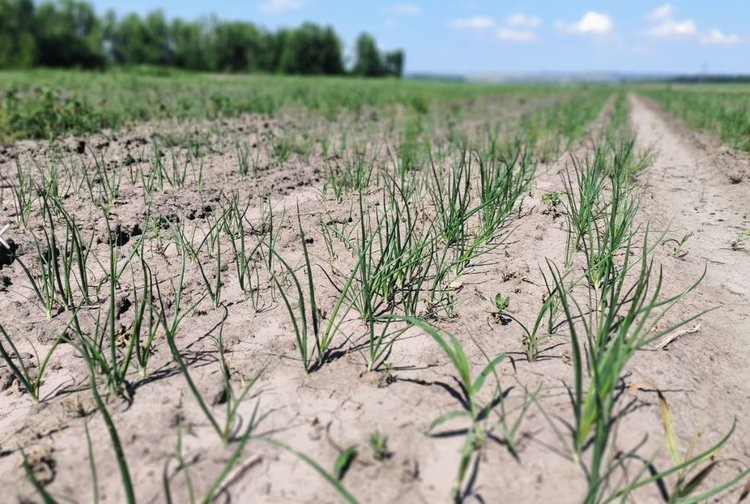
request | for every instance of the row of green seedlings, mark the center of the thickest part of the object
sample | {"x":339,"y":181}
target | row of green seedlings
{"x":352,"y":166}
{"x":407,"y":141}
{"x":596,"y":227}
{"x":547,"y":119}
{"x":102,"y":181}
{"x":620,"y":316}
{"x":720,"y":111}
{"x":248,"y":241}
{"x":58,"y":178}
{"x":232,"y":430}
{"x":65,"y":283}
{"x":552,"y":127}
{"x":450,"y":199}
{"x":555,"y":128}
{"x":62,"y":276}
{"x":96,"y":340}
{"x":63,"y":177}
{"x":622,"y":312}
{"x":489,"y":420}
{"x":186,"y":159}
{"x":401,"y":253}
{"x":277,"y":151}
{"x":62,"y":272}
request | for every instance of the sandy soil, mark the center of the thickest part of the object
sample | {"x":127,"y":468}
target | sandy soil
{"x":688,"y":191}
{"x":704,"y":375}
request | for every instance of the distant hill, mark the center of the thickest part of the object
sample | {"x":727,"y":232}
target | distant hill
{"x":582,"y":78}
{"x":436,"y":77}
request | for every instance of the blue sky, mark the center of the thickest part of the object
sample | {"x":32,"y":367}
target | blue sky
{"x":490,"y":37}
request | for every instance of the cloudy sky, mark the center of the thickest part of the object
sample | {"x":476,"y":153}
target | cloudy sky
{"x":488,"y":37}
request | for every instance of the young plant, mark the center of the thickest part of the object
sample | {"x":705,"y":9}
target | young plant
{"x":242,"y":154}
{"x":583,"y":198}
{"x":312,"y":358}
{"x":678,"y":251}
{"x":226,"y":430}
{"x":451,"y":198}
{"x":328,"y":477}
{"x":30,"y":378}
{"x":502,"y":303}
{"x":103,"y":184}
{"x":474,"y":409}
{"x":213,"y":236}
{"x":355,"y":174}
{"x":145,"y":322}
{"x":122,"y":463}
{"x":394,"y":256}
{"x":102,"y":345}
{"x":379,"y":446}
{"x":246,"y":255}
{"x":623,"y":320}
{"x":24,"y":195}
{"x":75,"y":248}
{"x":215,"y":487}
{"x":691,"y":470}
{"x":179,"y":171}
{"x":503,"y":182}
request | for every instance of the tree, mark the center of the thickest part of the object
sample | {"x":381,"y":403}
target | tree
{"x":331,"y":55}
{"x":311,"y":49}
{"x":136,"y":41}
{"x":394,"y":63}
{"x":188,"y":45}
{"x":17,"y":43}
{"x":368,"y":62}
{"x":156,"y":39}
{"x":127,"y":41}
{"x":270,"y":60}
{"x":68,"y":34}
{"x":235,"y":47}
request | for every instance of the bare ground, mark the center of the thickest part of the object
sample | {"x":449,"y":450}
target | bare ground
{"x":704,"y":375}
{"x":687,"y":191}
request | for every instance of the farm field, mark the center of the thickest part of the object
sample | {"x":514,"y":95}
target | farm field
{"x":281,"y":289}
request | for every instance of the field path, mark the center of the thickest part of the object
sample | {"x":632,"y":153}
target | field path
{"x":686,"y":191}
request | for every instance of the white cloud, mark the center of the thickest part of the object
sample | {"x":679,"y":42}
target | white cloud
{"x":514,"y":35}
{"x":406,"y":9}
{"x":662,"y":12}
{"x":522,"y":20}
{"x":516,"y":28}
{"x":670,"y":28}
{"x":717,"y":37}
{"x":592,"y":23}
{"x":281,"y":6}
{"x":664,"y":24}
{"x":473,"y":23}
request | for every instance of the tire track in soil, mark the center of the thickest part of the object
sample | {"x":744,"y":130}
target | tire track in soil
{"x":685,"y":191}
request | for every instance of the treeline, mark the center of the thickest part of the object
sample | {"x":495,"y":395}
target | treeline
{"x":712,"y":79}
{"x":69,"y":34}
